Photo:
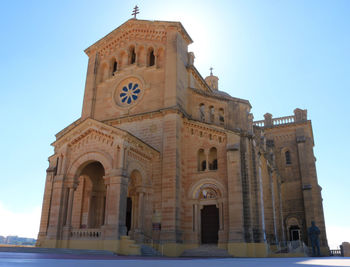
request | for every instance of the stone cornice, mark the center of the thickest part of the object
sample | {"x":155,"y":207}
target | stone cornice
{"x":178,"y":110}
{"x":135,"y":29}
{"x":220,"y":97}
{"x":207,"y":91}
{"x":199,"y":78}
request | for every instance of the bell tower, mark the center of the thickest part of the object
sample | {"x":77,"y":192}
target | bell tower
{"x":136,"y":69}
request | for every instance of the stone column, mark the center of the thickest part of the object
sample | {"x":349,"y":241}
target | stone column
{"x":234,"y":191}
{"x":106,"y":206}
{"x":140,"y":217}
{"x":273,"y":204}
{"x":261,"y":199}
{"x":45,"y":214}
{"x":70,"y":206}
{"x":305,"y":179}
{"x":56,"y":208}
{"x":116,"y":199}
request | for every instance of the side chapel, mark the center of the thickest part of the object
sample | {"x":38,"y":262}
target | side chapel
{"x":162,"y":157}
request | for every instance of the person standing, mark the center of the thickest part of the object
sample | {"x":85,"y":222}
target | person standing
{"x":314,"y":232}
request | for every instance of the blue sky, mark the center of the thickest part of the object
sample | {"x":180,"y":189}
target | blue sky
{"x":279,"y":55}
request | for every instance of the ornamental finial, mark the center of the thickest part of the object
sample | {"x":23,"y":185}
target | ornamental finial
{"x":211,"y":71}
{"x":135,"y":11}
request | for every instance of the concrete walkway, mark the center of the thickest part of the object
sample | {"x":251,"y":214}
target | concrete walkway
{"x":68,"y":260}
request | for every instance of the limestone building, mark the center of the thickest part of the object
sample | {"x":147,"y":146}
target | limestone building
{"x":162,"y":157}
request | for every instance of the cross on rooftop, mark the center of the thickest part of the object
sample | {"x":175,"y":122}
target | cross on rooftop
{"x":135,"y":11}
{"x":211,"y":71}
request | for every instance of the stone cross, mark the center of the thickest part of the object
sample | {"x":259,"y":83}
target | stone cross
{"x":135,"y":11}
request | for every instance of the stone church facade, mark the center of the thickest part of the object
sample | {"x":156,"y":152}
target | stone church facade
{"x":162,"y":157}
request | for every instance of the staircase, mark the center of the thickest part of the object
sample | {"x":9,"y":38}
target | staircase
{"x":148,"y":251}
{"x":206,"y":251}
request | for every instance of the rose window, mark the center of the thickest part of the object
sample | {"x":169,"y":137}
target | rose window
{"x":129,"y":93}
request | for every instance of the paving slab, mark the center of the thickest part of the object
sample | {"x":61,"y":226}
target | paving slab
{"x":58,"y":260}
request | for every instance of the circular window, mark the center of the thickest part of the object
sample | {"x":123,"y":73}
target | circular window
{"x":128,"y":92}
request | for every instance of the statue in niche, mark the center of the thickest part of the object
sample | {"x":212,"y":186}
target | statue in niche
{"x":208,"y":194}
{"x":201,"y":113}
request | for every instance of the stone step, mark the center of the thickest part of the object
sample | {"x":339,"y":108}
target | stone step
{"x":56,"y":251}
{"x":149,"y":251}
{"x":206,"y":251}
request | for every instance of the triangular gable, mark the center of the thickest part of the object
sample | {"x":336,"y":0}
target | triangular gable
{"x":134,"y":27}
{"x":91,"y":126}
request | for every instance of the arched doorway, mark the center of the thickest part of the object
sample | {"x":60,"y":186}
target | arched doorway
{"x":294,"y":233}
{"x":209,"y":214}
{"x":90,"y":198}
{"x":209,"y":224}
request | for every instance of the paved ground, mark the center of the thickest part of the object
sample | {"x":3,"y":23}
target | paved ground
{"x":58,"y":260}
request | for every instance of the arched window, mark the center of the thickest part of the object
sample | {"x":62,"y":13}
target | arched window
{"x":213,"y":159}
{"x":202,"y":163}
{"x":221,"y":116}
{"x":211,"y":114}
{"x":115,"y":67}
{"x":288,"y":157}
{"x":202,"y":112}
{"x":132,"y":55}
{"x":151,"y":57}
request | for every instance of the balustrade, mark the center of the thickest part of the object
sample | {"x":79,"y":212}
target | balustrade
{"x":86,"y":234}
{"x":276,"y":121}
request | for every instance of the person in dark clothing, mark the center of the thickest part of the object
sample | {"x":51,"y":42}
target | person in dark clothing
{"x":314,"y":232}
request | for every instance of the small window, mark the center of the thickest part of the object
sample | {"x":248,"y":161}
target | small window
{"x":213,"y":161}
{"x":288,"y":157}
{"x":202,"y":163}
{"x":151,"y":58}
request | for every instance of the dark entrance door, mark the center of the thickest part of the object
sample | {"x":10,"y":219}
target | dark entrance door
{"x":294,"y":232}
{"x":210,"y":224}
{"x":128,"y":214}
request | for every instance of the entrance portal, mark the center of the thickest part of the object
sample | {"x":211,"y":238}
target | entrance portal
{"x":128,"y":215}
{"x":210,"y":224}
{"x":294,"y":232}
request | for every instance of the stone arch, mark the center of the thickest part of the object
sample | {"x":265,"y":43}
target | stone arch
{"x":221,"y":116}
{"x":211,"y":112}
{"x":201,"y":160}
{"x":151,"y":58}
{"x":201,"y":110}
{"x":294,"y":228}
{"x":196,"y":188}
{"x":132,"y":54}
{"x":113,"y":66}
{"x":213,"y":159}
{"x":123,"y":58}
{"x":136,"y":166}
{"x":86,"y":158}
